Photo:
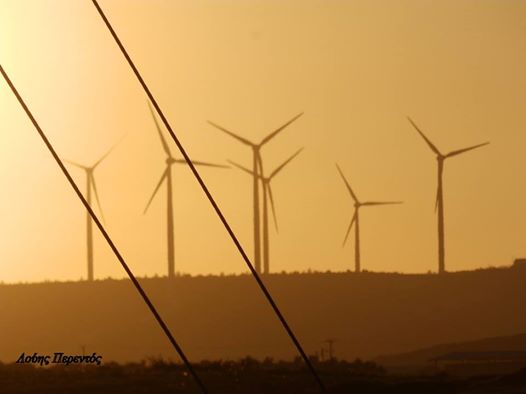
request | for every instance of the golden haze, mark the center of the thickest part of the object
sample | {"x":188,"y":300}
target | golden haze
{"x":356,"y":69}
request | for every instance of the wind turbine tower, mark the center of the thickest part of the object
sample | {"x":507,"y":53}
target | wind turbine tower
{"x":439,"y":204}
{"x":256,"y":171}
{"x":268,"y":197}
{"x":91,"y":187}
{"x":356,"y":219}
{"x":167,"y":177}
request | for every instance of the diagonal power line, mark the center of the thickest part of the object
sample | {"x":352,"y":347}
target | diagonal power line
{"x":105,"y":234}
{"x":212,"y":201}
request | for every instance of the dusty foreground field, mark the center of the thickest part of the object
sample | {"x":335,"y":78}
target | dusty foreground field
{"x":245,"y":376}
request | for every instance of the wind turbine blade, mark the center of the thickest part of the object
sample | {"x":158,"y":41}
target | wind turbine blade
{"x":431,"y":145}
{"x":275,"y":132}
{"x":347,"y":184}
{"x":163,"y":141}
{"x":108,"y":152}
{"x":237,"y":137}
{"x":349,"y":228}
{"x":259,"y":166}
{"x":165,"y":173}
{"x":372,"y":203}
{"x":460,"y":151}
{"x":92,"y":180}
{"x":275,"y":172}
{"x":201,"y":163}
{"x":76,"y":164}
{"x":271,"y":198}
{"x":241,"y":167}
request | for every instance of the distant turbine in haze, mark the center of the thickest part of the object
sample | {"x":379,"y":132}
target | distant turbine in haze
{"x":356,"y":219}
{"x":256,"y":171}
{"x":268,"y":195}
{"x":439,"y":204}
{"x":91,"y":186}
{"x":167,"y":176}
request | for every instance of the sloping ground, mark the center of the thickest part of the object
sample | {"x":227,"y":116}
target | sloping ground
{"x":513,"y":343}
{"x":227,"y":318}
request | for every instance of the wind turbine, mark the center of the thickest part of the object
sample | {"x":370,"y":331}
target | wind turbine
{"x":167,"y":176}
{"x":330,"y":342}
{"x":439,"y":204}
{"x":356,"y":219}
{"x":256,"y":166}
{"x":91,"y":186}
{"x":267,"y":195}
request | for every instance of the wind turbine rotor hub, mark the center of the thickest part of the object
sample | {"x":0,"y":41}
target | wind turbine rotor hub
{"x":170,"y":161}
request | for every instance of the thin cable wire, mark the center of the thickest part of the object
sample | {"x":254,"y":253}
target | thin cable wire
{"x":212,"y":201}
{"x":105,"y":234}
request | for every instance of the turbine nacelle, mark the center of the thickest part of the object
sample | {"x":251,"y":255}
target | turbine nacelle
{"x":357,"y":206}
{"x":255,"y":147}
{"x":267,"y":179}
{"x":440,"y":156}
{"x":170,"y":160}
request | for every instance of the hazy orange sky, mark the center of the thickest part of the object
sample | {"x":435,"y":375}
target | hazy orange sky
{"x":356,"y":68}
